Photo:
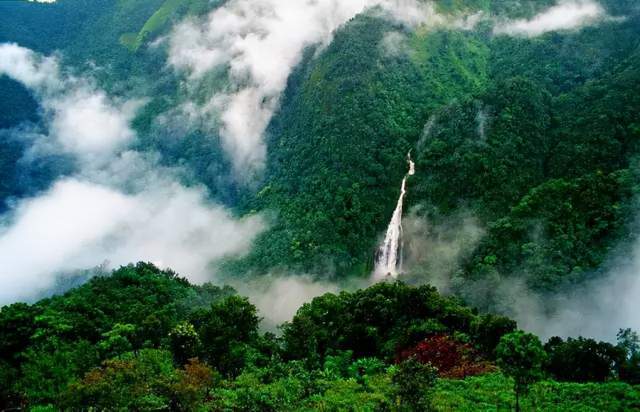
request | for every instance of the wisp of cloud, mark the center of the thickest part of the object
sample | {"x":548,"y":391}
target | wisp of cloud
{"x":566,"y":15}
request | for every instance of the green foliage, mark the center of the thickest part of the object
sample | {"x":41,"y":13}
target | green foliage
{"x":227,"y":331}
{"x":515,"y":120}
{"x":414,"y":384}
{"x":495,"y":166}
{"x":544,"y":157}
{"x":50,"y":367}
{"x":487,"y":330}
{"x":558,"y":231}
{"x":521,"y":356}
{"x":145,"y":380}
{"x":46,"y":346}
{"x":117,"y":340}
{"x":512,"y":119}
{"x":493,"y":392}
{"x":132,"y":381}
{"x":334,"y":195}
{"x":158,"y":20}
{"x":184,"y":342}
{"x":162,"y":344}
{"x":347,"y":395}
{"x":535,"y":137}
{"x":377,"y":321}
{"x":629,"y":365}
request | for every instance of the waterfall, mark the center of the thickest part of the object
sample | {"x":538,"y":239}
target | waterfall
{"x":389,"y":256}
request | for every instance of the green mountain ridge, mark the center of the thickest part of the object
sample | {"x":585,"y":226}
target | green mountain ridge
{"x":526,"y":186}
{"x":558,"y":119}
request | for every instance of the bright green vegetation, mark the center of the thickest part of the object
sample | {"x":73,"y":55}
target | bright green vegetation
{"x":536,"y":138}
{"x":145,"y":339}
{"x":521,"y":356}
{"x":159,"y":20}
{"x":551,"y":170}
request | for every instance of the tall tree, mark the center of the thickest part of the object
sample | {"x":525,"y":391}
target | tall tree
{"x":521,"y":356}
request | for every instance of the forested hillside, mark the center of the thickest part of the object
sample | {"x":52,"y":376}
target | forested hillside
{"x":500,"y":127}
{"x":552,"y":171}
{"x":145,"y":339}
{"x":263,"y":144}
{"x":554,"y":109}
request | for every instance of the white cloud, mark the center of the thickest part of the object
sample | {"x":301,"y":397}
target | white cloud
{"x":79,"y":224}
{"x":29,"y":68}
{"x":260,"y":41}
{"x":434,"y":252}
{"x":122,"y":209}
{"x":47,"y":228}
{"x":566,"y":15}
{"x":82,"y":119}
{"x":85,"y":121}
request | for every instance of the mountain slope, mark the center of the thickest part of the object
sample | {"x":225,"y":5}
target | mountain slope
{"x":501,"y":125}
{"x":508,"y":114}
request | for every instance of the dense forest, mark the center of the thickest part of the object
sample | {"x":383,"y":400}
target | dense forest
{"x":263,"y":143}
{"x":558,"y":118}
{"x":141,"y":338}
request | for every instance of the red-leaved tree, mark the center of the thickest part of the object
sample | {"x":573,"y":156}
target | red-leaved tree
{"x":453,"y":359}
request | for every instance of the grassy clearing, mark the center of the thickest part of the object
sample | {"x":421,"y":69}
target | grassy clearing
{"x":494,"y":392}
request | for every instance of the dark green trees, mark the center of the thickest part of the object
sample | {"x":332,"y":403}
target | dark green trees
{"x":47,"y":346}
{"x":146,"y":380}
{"x":382,"y":319}
{"x":414,"y":383}
{"x":582,"y":360}
{"x":185,"y":342}
{"x":227,"y":331}
{"x":629,"y":346}
{"x":163,"y":344}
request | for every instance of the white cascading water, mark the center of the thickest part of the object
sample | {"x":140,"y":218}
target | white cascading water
{"x":389,"y":256}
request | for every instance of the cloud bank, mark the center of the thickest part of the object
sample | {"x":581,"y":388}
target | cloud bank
{"x":122,"y":208}
{"x":566,"y":15}
{"x":596,"y":309}
{"x":79,"y":224}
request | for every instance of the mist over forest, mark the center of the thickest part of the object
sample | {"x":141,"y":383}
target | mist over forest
{"x":311,"y":205}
